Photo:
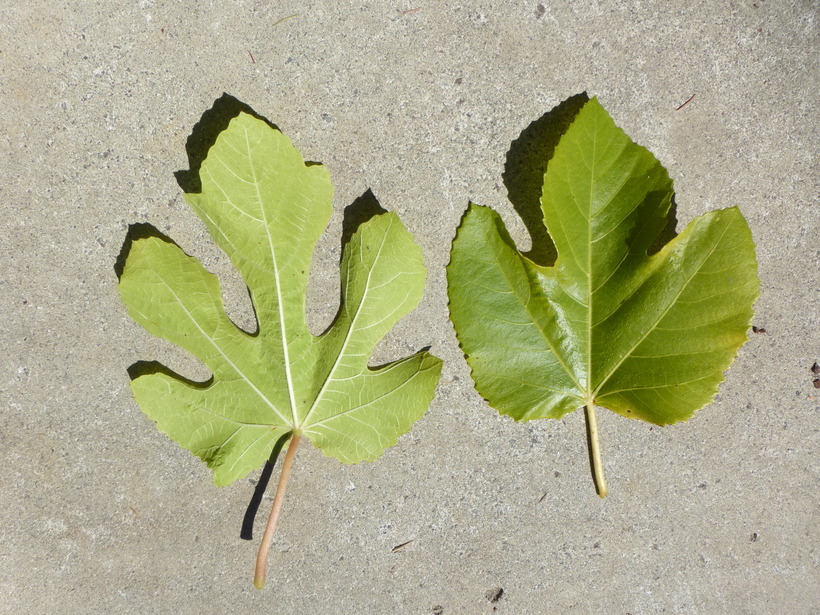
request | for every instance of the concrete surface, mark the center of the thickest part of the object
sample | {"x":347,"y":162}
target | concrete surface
{"x":101,"y":513}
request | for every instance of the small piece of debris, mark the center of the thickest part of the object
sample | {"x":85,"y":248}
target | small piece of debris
{"x":494,"y":594}
{"x":438,"y":610}
{"x":686,"y":103}
{"x":401,"y":546}
{"x":815,"y":369}
{"x":754,"y":537}
{"x":286,"y":18}
{"x":816,"y":383}
{"x":758,"y":329}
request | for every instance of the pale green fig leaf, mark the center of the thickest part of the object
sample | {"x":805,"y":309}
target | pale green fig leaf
{"x":266,"y":208}
{"x":647,"y":335}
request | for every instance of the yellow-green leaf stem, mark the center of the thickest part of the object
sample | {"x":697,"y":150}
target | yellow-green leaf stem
{"x":595,"y":450}
{"x":647,"y":336}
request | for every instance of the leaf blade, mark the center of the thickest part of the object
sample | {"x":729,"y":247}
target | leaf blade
{"x":487,"y":276}
{"x":389,"y":410}
{"x":266,"y":207}
{"x":606,"y":307}
{"x":715,"y":323}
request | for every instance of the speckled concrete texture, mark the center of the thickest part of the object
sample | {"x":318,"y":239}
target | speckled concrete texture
{"x":419,"y":102}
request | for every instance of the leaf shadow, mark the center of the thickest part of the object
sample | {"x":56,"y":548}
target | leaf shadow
{"x":524,"y":170}
{"x":523,"y":176}
{"x":362,"y":209}
{"x":137,"y":231}
{"x":204,"y":135}
{"x":148,"y":368}
{"x":669,"y":231}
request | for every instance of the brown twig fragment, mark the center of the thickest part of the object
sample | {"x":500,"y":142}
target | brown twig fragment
{"x":279,"y":498}
{"x":411,"y":11}
{"x":401,"y":546}
{"x":686,"y":103}
{"x":251,"y":55}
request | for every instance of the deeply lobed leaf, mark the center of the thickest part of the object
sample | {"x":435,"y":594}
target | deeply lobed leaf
{"x":266,"y":208}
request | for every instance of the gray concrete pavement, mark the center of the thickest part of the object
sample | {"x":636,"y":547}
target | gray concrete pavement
{"x":101,"y":513}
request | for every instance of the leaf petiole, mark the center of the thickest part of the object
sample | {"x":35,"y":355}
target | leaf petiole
{"x":595,"y":450}
{"x":279,"y":498}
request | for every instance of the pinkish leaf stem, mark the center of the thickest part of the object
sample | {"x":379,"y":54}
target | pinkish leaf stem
{"x":279,"y":498}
